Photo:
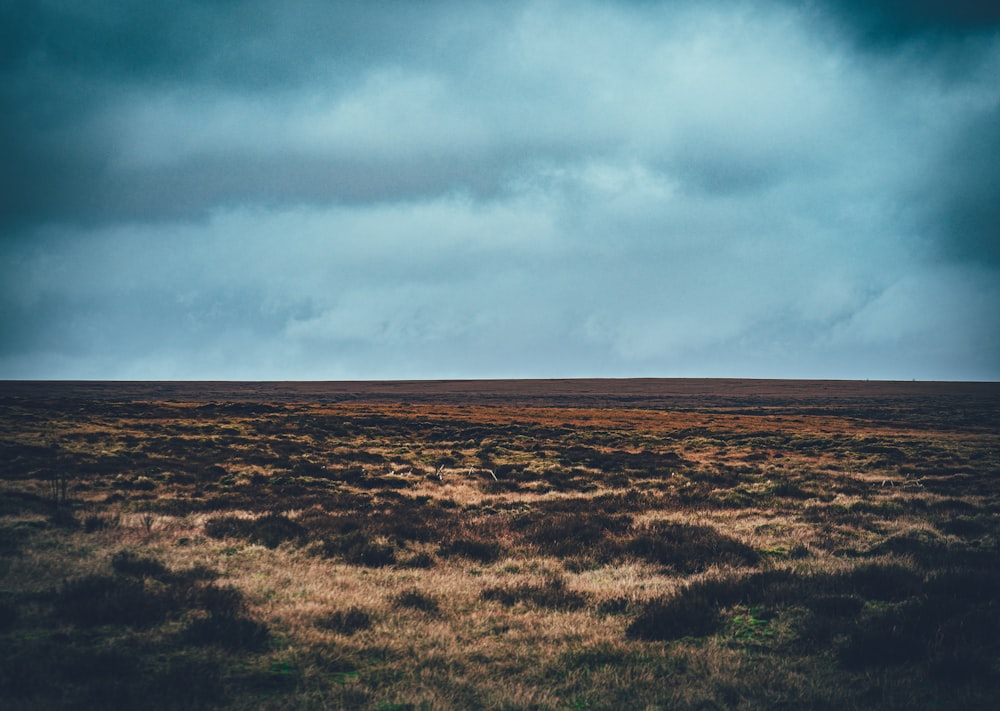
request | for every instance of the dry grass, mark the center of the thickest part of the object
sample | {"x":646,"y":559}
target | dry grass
{"x":829,"y":555}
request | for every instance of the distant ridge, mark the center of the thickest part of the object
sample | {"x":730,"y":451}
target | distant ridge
{"x":655,"y":393}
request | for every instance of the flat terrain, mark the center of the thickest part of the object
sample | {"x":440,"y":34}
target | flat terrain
{"x":549,"y":544}
{"x":648,"y":393}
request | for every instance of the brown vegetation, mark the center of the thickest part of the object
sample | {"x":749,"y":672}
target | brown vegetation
{"x":546,"y":545}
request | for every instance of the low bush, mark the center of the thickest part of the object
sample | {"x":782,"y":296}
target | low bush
{"x":687,"y":613}
{"x":886,"y":639}
{"x":270,"y":530}
{"x":615,"y":606}
{"x":226,"y":527}
{"x":419,"y":561}
{"x":415,"y":600}
{"x":835,"y":606}
{"x":689,"y":549}
{"x":227,"y":631}
{"x":418,"y":522}
{"x":144,"y":593}
{"x":883,"y":581}
{"x":965,"y":526}
{"x":552,"y":594}
{"x":129,"y":564}
{"x":565,"y":534}
{"x":358,"y":549}
{"x":480,"y":551}
{"x":97,"y":522}
{"x":224,"y":600}
{"x":346,"y":622}
{"x":108,"y":600}
{"x":9,"y":612}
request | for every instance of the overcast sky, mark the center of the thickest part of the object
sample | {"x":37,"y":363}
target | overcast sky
{"x":244,"y":189}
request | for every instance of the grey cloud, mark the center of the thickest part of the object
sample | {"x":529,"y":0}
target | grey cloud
{"x":718,"y":170}
{"x":435,"y":189}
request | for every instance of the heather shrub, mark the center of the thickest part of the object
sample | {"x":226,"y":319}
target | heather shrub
{"x":346,"y":622}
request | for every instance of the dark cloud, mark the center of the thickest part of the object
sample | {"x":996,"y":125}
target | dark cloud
{"x":953,"y":43}
{"x":251,"y":43}
{"x":966,"y":193}
{"x":65,"y":66}
{"x":893,"y":22}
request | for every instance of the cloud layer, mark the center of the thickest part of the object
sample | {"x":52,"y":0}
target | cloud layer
{"x":439,"y":189}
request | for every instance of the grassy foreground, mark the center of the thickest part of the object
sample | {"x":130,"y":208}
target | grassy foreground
{"x":739,"y":553}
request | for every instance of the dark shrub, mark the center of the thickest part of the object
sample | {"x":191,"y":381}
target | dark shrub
{"x":687,"y":613}
{"x":770,"y":588}
{"x":789,"y":490}
{"x":564,"y":534}
{"x":11,"y":540}
{"x":416,"y":521}
{"x":8,"y":613}
{"x":356,"y":548}
{"x":964,"y":586}
{"x":384,"y":482}
{"x":836,"y":605}
{"x":96,"y":522}
{"x":888,"y":639}
{"x":225,"y":527}
{"x":799,"y":552}
{"x":185,"y":683}
{"x":104,"y":600}
{"x":694,"y":610}
{"x":270,"y":530}
{"x":615,"y":606}
{"x":136,"y":566}
{"x":274,"y":529}
{"x":181,"y":478}
{"x":831,"y":616}
{"x":552,"y":594}
{"x":964,"y":646}
{"x":598,"y":657}
{"x":320,"y":524}
{"x":194,"y":574}
{"x":481,"y":551}
{"x":63,"y":517}
{"x":212,"y":473}
{"x":689,"y":549}
{"x":373,"y":555}
{"x":277,"y":679}
{"x":419,"y":560}
{"x":964,"y":527}
{"x":924,"y":547}
{"x":143,"y":483}
{"x":498,"y":487}
{"x":226,"y":631}
{"x":347,"y":622}
{"x":416,"y":600}
{"x":218,"y":600}
{"x":103,"y":674}
{"x":884,"y":581}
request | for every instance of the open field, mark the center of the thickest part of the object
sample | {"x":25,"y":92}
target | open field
{"x":639,"y":544}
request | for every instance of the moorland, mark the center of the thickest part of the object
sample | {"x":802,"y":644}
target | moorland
{"x":576,"y":544}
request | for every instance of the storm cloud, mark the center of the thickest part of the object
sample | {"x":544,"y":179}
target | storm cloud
{"x":248,"y":190}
